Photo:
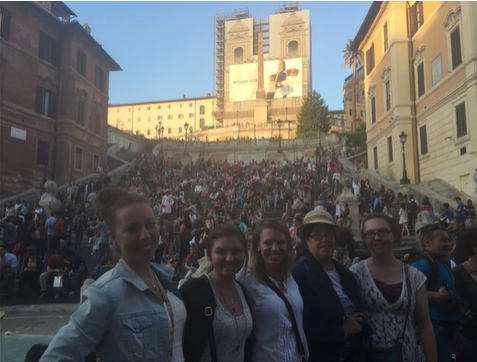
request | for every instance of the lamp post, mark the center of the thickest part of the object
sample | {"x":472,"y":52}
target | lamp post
{"x":158,"y":128}
{"x":404,"y":180}
{"x":238,"y":125}
{"x":161,"y":136}
{"x":279,"y":124}
{"x":186,"y":126}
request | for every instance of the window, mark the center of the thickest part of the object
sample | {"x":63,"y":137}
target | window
{"x":80,"y":117}
{"x":95,"y":162}
{"x":350,"y":112}
{"x":385,"y":34}
{"x":139,"y":119}
{"x":148,"y":118}
{"x":202,"y":110}
{"x":97,"y":123}
{"x":81,"y":63}
{"x":169,"y":131}
{"x":78,"y":158}
{"x":158,"y":107}
{"x":420,"y":80}
{"x":148,"y":132}
{"x":363,"y":114}
{"x":238,"y":54}
{"x":461,"y":120}
{"x":416,"y":17}
{"x":129,"y":109}
{"x":375,"y":153}
{"x":190,"y":104}
{"x":201,"y":123}
{"x":159,"y":118}
{"x":169,"y":106}
{"x":138,"y":108}
{"x":373,"y":110}
{"x":99,"y":78}
{"x":456,"y":50}
{"x":148,"y":108}
{"x":370,"y":59}
{"x":180,"y":130}
{"x":293,"y":48}
{"x":191,"y":115}
{"x":390,"y":149}
{"x":181,"y":116}
{"x":5,"y":17}
{"x":49,"y":49}
{"x":423,"y":138}
{"x":190,"y":130}
{"x":45,"y":102}
{"x":387,"y":86}
{"x":42,"y":153}
{"x":117,"y":111}
{"x":129,"y":120}
{"x":169,"y":116}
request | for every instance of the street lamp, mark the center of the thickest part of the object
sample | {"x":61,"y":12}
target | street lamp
{"x":404,"y":180}
{"x":186,"y":126}
{"x":161,"y":136}
{"x":279,"y":124}
{"x":238,"y":125}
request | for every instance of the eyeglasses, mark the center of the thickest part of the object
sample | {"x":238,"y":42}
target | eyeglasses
{"x":383,"y":233}
{"x":327,"y":235}
{"x":426,"y":230}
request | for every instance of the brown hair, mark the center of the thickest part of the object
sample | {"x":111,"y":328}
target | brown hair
{"x":389,"y":221}
{"x":225,"y":231}
{"x":110,"y":199}
{"x":257,"y":266}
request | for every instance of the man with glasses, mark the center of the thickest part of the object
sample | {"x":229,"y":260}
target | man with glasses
{"x":435,"y":265}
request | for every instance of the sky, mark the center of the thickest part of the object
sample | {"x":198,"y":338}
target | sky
{"x":166,"y":49}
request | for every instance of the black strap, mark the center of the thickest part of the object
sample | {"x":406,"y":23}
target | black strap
{"x":299,"y":343}
{"x":209,"y":313}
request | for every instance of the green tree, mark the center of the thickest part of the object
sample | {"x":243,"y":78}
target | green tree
{"x":352,"y":59}
{"x":313,"y":116}
{"x":358,"y":138}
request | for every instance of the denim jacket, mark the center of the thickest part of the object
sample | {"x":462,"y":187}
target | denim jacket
{"x":121,"y":319}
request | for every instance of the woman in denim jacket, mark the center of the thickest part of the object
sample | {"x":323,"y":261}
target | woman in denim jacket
{"x":133,"y":312}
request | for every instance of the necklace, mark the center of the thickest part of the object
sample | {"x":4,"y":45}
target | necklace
{"x":154,"y":288}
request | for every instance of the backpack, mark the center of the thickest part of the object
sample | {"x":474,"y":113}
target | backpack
{"x":413,"y":205}
{"x":433,"y":271}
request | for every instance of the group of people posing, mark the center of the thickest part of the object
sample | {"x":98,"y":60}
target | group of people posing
{"x":258,"y":304}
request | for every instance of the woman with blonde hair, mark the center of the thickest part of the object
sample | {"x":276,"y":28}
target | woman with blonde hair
{"x":275,"y":301}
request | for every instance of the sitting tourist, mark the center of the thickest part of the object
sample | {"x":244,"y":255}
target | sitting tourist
{"x":77,"y":273}
{"x":8,"y":266}
{"x":31,"y":270}
{"x":56,"y":265}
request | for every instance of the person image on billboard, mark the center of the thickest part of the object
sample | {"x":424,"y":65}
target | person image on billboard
{"x":278,"y":79}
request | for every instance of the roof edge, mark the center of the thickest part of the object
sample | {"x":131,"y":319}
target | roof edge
{"x":366,"y":25}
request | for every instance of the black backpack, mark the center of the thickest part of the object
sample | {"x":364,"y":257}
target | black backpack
{"x":413,"y":205}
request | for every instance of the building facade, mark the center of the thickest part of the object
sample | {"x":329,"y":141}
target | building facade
{"x":147,"y":118}
{"x":124,"y":141}
{"x":360,"y":100}
{"x":421,"y":80}
{"x":54,"y":96}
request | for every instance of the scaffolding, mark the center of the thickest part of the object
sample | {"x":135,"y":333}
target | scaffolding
{"x":261,"y":25}
{"x":288,"y":7}
{"x":219,"y":56}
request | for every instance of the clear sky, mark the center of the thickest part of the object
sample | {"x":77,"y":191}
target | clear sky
{"x":166,"y":48}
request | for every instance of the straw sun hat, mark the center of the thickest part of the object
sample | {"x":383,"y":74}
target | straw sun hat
{"x":316,"y":217}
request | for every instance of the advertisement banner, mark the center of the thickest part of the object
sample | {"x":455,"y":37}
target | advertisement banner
{"x":243,"y":82}
{"x":282,"y":79}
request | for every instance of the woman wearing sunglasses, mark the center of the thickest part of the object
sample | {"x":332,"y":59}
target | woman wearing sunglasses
{"x":394,"y":297}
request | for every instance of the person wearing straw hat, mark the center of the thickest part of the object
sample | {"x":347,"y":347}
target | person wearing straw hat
{"x":331,"y":298}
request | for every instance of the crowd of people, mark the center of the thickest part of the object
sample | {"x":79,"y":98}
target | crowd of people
{"x":185,"y":274}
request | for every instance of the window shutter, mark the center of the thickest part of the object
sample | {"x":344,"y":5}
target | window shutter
{"x":367,"y":62}
{"x":413,"y":19}
{"x":53,"y":105}
{"x":38,"y":100}
{"x":420,"y":80}
{"x":423,"y":136}
{"x":6,"y":20}
{"x":55,"y":53}
{"x":456,"y":48}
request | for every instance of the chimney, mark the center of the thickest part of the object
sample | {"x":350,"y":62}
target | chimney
{"x":208,"y":94}
{"x":87,"y":28}
{"x":183,"y":96}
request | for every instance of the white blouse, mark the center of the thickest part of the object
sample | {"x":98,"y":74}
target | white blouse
{"x":272,"y":328}
{"x":180,"y":316}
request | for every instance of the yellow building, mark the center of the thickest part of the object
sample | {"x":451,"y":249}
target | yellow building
{"x":360,"y":100}
{"x":145,"y":117}
{"x":421,"y":79}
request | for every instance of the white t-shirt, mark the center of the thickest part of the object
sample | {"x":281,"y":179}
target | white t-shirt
{"x":346,"y":302}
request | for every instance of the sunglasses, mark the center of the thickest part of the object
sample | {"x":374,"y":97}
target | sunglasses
{"x":426,"y":230}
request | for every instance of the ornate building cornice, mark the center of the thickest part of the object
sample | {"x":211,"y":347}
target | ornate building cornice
{"x":386,"y":74}
{"x":452,"y":18}
{"x":419,"y":55}
{"x":372,"y":90}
